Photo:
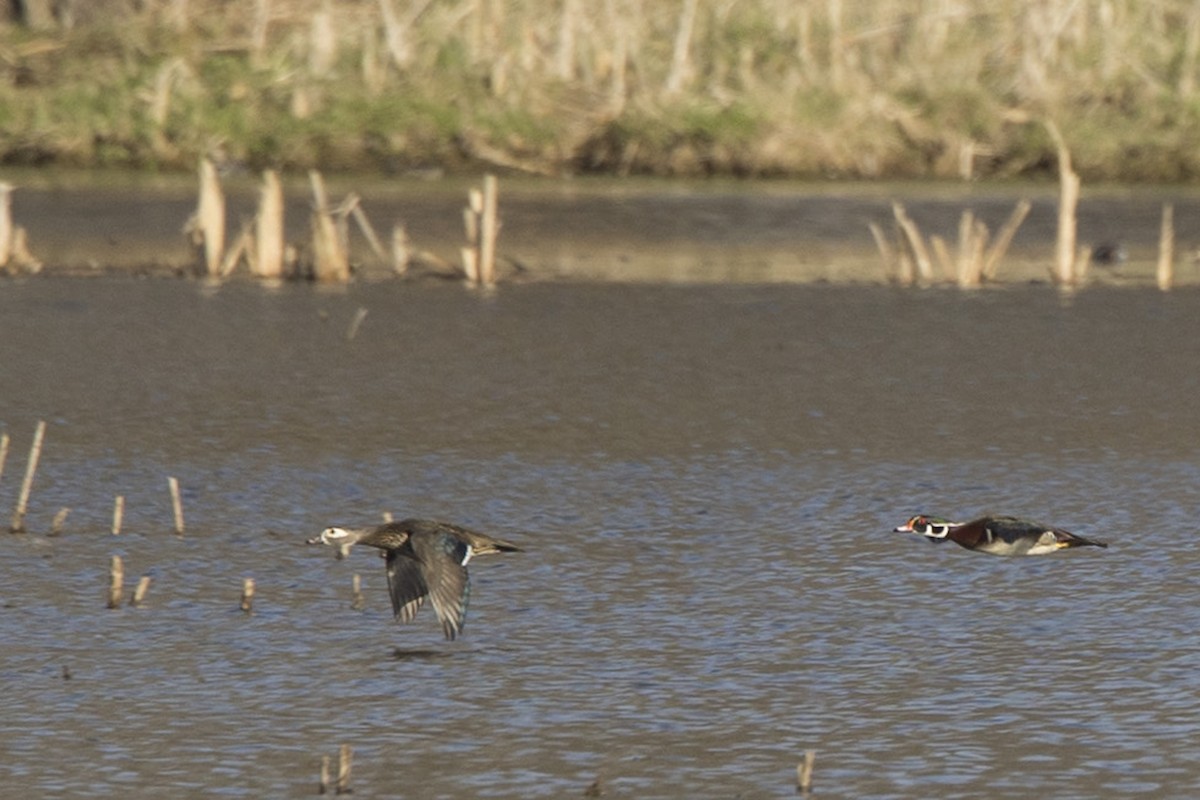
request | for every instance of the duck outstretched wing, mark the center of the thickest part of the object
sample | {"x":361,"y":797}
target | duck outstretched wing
{"x":406,"y":584}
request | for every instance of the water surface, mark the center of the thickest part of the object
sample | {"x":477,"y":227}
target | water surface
{"x":705,"y":479}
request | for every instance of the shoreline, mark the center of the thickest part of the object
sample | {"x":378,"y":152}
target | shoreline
{"x":604,"y":229}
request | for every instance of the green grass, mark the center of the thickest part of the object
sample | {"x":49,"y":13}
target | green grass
{"x":771,"y":87}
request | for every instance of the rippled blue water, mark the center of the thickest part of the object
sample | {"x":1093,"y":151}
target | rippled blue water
{"x":705,"y":479}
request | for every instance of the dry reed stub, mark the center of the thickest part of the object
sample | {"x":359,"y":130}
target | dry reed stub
{"x":118,"y":514}
{"x":345,"y":757}
{"x":139,"y":591}
{"x":17,"y":525}
{"x":1166,"y":248}
{"x":804,"y":772}
{"x":268,"y":229}
{"x":116,"y":582}
{"x":3,"y":452}
{"x":60,"y":519}
{"x":1067,"y":264}
{"x":247,"y":604}
{"x":357,"y":602}
{"x":323,"y":786}
{"x":176,"y":505}
{"x":355,"y":324}
{"x":207,"y":226}
{"x":331,"y":263}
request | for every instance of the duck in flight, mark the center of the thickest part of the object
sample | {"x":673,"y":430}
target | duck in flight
{"x":1000,"y":536}
{"x":425,"y":559}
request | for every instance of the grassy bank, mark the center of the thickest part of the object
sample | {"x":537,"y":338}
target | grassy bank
{"x":836,"y":88}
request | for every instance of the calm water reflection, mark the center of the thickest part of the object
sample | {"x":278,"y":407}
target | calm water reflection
{"x":705,"y":479}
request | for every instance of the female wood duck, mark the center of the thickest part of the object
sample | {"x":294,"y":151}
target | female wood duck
{"x":425,"y":558}
{"x":1000,"y":536}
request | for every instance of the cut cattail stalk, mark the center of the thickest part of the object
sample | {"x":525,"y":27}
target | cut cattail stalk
{"x":489,"y":227}
{"x":1166,"y":248}
{"x":139,"y":591}
{"x":354,"y":202}
{"x":35,"y":453}
{"x":1065,"y":267}
{"x":116,"y":583}
{"x":355,"y":323}
{"x":470,"y":259}
{"x":1003,"y":239}
{"x":330,"y":262}
{"x":6,"y":223}
{"x":210,"y":217}
{"x":343,"y":778}
{"x":176,"y":505}
{"x":60,"y":519}
{"x":268,"y":229}
{"x":916,"y":243}
{"x":891,"y":267}
{"x":248,"y":595}
{"x":804,"y":772}
{"x":358,"y":603}
{"x":323,"y":787}
{"x":118,"y":514}
{"x":401,"y":250}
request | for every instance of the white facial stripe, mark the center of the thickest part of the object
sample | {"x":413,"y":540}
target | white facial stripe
{"x":332,"y":534}
{"x":467,"y":557}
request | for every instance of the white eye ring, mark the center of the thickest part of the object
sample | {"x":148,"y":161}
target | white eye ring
{"x":333,"y":534}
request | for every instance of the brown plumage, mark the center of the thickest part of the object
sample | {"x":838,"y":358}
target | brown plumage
{"x":425,"y":558}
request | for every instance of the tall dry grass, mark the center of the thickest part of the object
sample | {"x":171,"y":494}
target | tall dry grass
{"x":887,"y":88}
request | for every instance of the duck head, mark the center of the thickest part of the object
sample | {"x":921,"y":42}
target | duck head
{"x":932,"y":528}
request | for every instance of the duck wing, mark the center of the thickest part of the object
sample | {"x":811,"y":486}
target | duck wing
{"x":443,"y":560}
{"x":406,"y":584}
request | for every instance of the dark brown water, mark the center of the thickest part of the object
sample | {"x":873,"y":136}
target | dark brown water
{"x":617,"y":230}
{"x":705,"y":479}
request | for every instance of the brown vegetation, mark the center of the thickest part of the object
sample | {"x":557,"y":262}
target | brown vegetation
{"x":830,"y":88}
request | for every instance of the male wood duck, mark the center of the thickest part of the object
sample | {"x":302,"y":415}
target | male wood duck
{"x":425,"y":558}
{"x":1000,"y":536}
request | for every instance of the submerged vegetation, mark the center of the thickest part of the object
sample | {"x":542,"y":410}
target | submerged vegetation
{"x":832,"y":88}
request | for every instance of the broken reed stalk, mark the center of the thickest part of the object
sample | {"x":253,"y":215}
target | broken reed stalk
{"x":916,"y":243}
{"x":268,"y":229}
{"x":3,"y":452}
{"x":6,"y":223}
{"x":248,"y":595}
{"x":210,"y":217}
{"x":891,"y":266}
{"x":1003,"y":239}
{"x":1066,"y":268}
{"x":489,"y":227}
{"x":17,"y":524}
{"x":401,"y":249}
{"x":344,"y":762}
{"x":481,"y":221}
{"x":330,"y":262}
{"x":323,"y":786}
{"x":353,"y":205}
{"x":139,"y":591}
{"x":358,"y":603}
{"x":176,"y":505}
{"x":804,"y":772}
{"x":355,"y":324}
{"x":60,"y":519}
{"x":1166,"y":248}
{"x":118,"y":514}
{"x":942,"y":251}
{"x":116,"y":582}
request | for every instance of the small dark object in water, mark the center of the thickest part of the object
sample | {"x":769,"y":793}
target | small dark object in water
{"x":1108,"y":253}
